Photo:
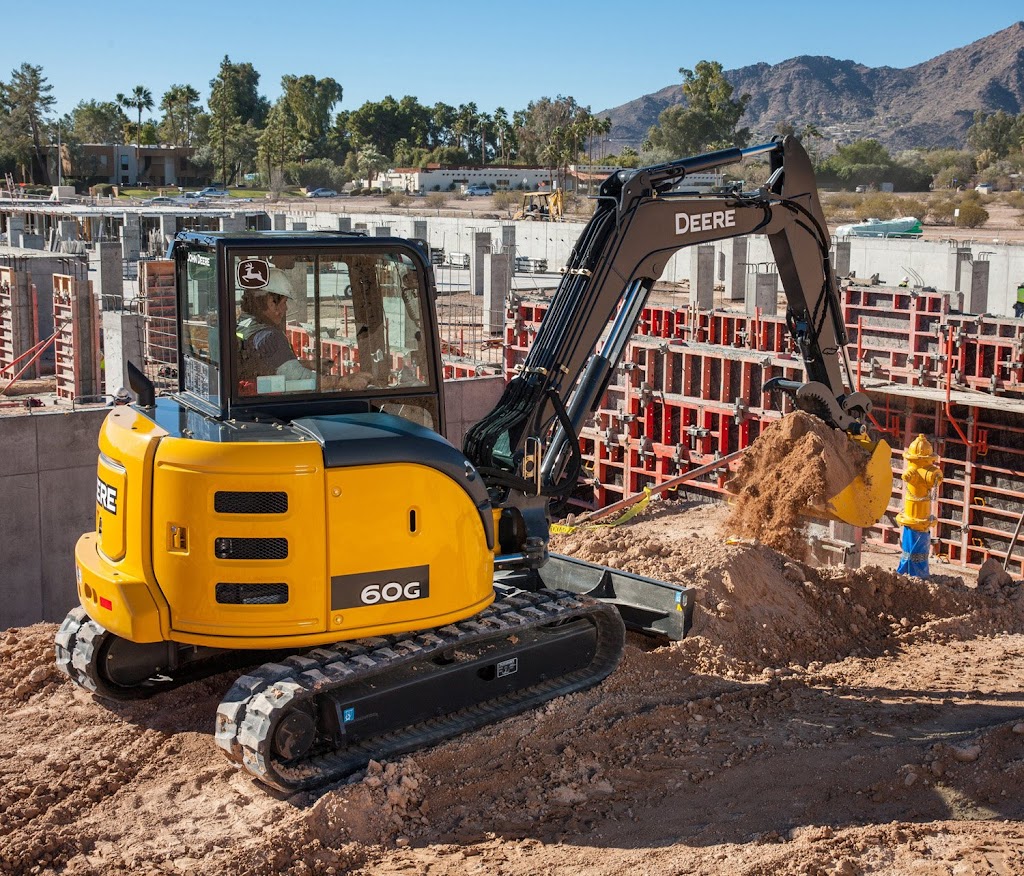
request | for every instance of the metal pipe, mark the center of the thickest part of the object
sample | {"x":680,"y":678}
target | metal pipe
{"x":670,"y":484}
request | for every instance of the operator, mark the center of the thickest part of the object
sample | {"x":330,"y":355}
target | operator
{"x":1018,"y":308}
{"x":263,"y":345}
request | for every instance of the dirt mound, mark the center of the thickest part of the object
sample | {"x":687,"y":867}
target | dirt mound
{"x":871,"y":708}
{"x":797,"y":462}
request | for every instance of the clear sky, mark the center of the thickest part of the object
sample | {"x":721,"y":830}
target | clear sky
{"x":492,"y":53}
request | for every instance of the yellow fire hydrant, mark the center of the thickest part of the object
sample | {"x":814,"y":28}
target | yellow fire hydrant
{"x":921,"y":476}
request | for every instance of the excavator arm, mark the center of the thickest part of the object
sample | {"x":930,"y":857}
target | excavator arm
{"x":527,"y":445}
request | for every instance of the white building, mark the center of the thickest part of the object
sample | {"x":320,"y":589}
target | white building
{"x":454,"y":179}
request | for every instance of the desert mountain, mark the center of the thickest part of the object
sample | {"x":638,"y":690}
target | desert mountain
{"x":929,"y":104}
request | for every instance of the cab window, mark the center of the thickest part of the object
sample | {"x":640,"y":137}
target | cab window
{"x":316,"y":323}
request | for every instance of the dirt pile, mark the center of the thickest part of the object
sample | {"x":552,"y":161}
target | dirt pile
{"x":880,"y":715}
{"x":797,"y":462}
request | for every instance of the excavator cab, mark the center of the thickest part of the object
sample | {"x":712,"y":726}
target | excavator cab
{"x":288,"y":324}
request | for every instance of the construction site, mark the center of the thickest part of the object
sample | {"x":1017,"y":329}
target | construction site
{"x":826,"y":712}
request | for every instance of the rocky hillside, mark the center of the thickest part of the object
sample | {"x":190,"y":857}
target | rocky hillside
{"x":930,"y":104}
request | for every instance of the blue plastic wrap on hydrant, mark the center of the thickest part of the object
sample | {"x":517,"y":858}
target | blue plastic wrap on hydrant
{"x":914,"y":559}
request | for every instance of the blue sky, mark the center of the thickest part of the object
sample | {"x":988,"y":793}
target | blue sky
{"x":492,"y":53}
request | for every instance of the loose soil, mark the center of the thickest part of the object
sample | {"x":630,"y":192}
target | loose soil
{"x":815,"y":721}
{"x":795,"y":465}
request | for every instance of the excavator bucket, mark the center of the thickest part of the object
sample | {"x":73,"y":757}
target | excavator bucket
{"x":863,"y":501}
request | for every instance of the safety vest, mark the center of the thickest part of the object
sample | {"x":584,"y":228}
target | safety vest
{"x":1020,"y":294}
{"x":249,"y":366}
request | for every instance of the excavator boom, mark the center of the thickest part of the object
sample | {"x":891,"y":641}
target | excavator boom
{"x":639,"y":223}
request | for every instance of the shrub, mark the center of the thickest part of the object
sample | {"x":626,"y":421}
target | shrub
{"x":911,"y":207}
{"x":972,"y":215}
{"x":436,"y":200}
{"x":941,"y":210}
{"x":398,"y":199}
{"x":878,"y":205}
{"x":316,"y":173}
{"x":504,"y":200}
{"x":1015,"y":200}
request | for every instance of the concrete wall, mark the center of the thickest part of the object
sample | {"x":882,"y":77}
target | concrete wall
{"x":48,"y":497}
{"x":48,"y":485}
{"x":466,"y":401}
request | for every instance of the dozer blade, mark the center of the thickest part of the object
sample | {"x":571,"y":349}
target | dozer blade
{"x":863,"y":501}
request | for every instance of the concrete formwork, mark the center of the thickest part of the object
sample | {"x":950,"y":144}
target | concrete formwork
{"x":19,"y":325}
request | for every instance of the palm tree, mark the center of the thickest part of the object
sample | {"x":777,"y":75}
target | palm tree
{"x":140,"y":99}
{"x":601,"y":128}
{"x":501,"y":129}
{"x":483,"y":120}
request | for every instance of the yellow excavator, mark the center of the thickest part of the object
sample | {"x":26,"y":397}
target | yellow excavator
{"x":293,"y":507}
{"x":541,"y":207}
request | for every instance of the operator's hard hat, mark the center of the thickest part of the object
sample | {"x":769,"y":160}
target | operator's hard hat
{"x":905,"y":280}
{"x":277,"y":284}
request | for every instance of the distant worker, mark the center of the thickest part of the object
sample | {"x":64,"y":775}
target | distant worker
{"x":905,"y":283}
{"x":1018,"y":308}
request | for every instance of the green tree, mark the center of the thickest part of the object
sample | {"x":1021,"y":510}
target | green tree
{"x":180,"y":106}
{"x":380,"y":126}
{"x":709,"y":118}
{"x":140,"y":99}
{"x":997,"y":133}
{"x":94,"y":121}
{"x":370,"y":163}
{"x":310,"y":102}
{"x":278,"y":142}
{"x":542,"y":127}
{"x":862,"y":162}
{"x":24,"y":104}
{"x":237,"y":113}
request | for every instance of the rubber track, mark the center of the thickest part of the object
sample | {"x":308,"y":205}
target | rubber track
{"x":249,"y":714}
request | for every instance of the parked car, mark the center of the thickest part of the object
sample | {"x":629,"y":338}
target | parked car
{"x":322,"y":193}
{"x":214,"y":192}
{"x":478,"y":190}
{"x":160,"y":200}
{"x":527,"y":265}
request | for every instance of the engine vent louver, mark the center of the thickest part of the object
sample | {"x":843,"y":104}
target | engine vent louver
{"x":250,"y":548}
{"x":231,"y":502}
{"x":252,"y":594}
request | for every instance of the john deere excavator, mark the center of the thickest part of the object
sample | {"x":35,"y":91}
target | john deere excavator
{"x":305,"y":517}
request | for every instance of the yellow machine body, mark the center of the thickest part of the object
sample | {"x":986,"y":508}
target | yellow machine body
{"x":359,"y":550}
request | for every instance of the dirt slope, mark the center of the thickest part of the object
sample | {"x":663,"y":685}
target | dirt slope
{"x":813,"y":723}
